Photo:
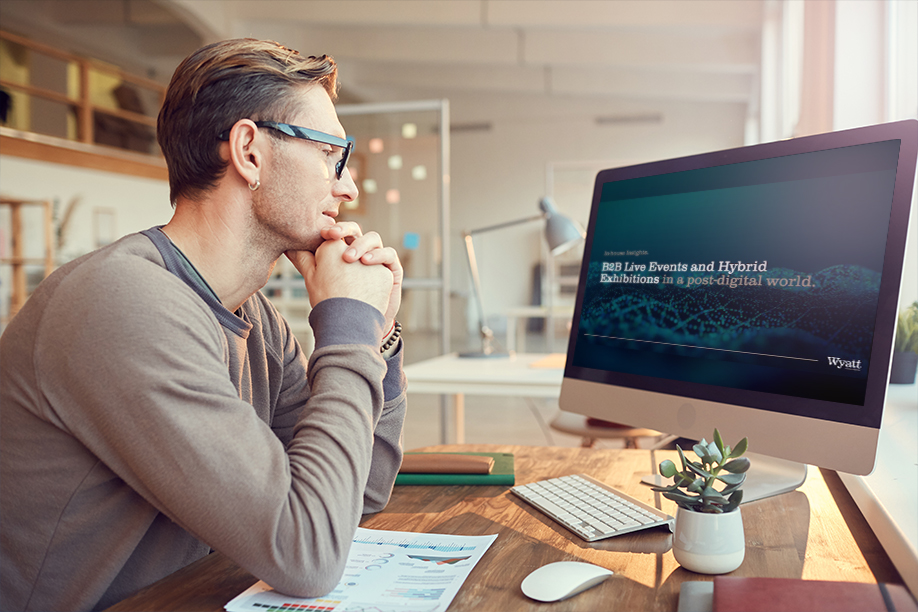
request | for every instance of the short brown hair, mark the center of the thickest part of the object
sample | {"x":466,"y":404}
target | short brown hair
{"x":218,"y":85}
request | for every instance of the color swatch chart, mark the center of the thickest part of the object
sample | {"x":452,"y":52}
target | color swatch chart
{"x":319,"y":605}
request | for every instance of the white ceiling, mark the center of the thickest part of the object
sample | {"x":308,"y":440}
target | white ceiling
{"x":634,"y":57}
{"x":640,"y":50}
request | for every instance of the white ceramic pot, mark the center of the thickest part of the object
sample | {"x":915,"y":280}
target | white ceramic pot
{"x":709,"y":543}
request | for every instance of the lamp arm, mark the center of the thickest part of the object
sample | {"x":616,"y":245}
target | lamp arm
{"x":560,"y":232}
{"x":476,"y":284}
{"x":486,"y":334}
{"x":497,"y":226}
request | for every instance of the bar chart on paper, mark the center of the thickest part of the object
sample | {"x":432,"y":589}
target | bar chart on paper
{"x":438,"y":560}
{"x":412,"y":541}
{"x":386,"y":571}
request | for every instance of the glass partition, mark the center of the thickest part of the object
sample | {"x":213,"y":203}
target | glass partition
{"x":400,"y":164}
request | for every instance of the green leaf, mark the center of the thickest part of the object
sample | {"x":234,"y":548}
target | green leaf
{"x":693,"y":506}
{"x":735,"y":500}
{"x":714,"y":453}
{"x":711,"y":494}
{"x":719,"y":441}
{"x":697,"y":486}
{"x":668,"y":469}
{"x":741,"y":448}
{"x":731,"y":479}
{"x":701,"y":449}
{"x":684,"y":478}
{"x":680,"y":497}
{"x":700,"y":470}
{"x":737,"y":466}
{"x":682,"y":457}
{"x":730,"y":489}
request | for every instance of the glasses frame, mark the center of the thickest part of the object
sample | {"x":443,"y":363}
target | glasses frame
{"x":302,"y":133}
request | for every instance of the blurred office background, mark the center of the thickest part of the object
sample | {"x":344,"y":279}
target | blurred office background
{"x":467,"y":113}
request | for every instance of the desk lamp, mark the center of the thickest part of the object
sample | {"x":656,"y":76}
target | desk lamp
{"x":561,"y":233}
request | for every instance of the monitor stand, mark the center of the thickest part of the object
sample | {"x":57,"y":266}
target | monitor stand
{"x":767,"y":476}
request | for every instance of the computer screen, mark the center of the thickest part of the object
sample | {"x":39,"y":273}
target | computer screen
{"x":754,"y":290}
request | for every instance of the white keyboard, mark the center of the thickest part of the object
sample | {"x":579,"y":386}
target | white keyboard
{"x":591,"y":509}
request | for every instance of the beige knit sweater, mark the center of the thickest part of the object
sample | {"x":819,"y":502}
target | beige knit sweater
{"x":142,"y":425}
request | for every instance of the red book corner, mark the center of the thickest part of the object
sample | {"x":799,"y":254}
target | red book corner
{"x":735,"y":594}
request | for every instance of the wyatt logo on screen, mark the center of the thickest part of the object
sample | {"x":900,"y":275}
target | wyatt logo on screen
{"x":839,"y":363}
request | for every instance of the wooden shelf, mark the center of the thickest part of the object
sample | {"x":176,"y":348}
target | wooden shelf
{"x":28,"y":145}
{"x":18,"y":261}
{"x":23,"y":260}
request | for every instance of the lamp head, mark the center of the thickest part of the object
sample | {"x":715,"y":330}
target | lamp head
{"x":561,"y":231}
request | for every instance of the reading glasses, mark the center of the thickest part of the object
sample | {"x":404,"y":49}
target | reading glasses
{"x":295,"y":131}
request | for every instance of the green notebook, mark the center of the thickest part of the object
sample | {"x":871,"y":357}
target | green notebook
{"x":501,"y":473}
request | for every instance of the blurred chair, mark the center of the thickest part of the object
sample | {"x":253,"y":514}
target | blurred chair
{"x":590,"y":430}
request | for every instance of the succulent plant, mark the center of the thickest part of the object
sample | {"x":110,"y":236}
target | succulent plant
{"x":907,"y":330}
{"x":693,"y":485}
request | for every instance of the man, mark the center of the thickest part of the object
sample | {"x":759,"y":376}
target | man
{"x":156,"y":406}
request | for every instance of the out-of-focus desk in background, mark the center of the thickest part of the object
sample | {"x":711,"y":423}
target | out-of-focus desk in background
{"x":518,"y":319}
{"x":518,"y":375}
{"x":813,"y":533}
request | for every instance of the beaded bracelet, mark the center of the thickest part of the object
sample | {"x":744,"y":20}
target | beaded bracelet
{"x":393,"y":337}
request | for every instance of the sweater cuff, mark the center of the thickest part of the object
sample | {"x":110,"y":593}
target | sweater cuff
{"x":346,"y":321}
{"x":394,"y":383}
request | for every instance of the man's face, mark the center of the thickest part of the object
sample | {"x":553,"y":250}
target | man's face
{"x":300,"y":193}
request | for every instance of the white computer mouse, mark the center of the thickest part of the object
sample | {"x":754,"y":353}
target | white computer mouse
{"x":562,"y":579}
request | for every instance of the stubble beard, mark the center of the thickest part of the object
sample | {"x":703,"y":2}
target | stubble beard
{"x":276,"y":229}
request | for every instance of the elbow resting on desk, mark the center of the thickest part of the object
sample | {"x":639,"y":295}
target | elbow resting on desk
{"x":317,"y":581}
{"x":311,"y":571}
{"x":312,"y":533}
{"x":312,"y":565}
{"x":376,"y":501}
{"x":315,"y":585}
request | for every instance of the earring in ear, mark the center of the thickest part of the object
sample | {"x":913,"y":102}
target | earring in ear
{"x":256,"y":185}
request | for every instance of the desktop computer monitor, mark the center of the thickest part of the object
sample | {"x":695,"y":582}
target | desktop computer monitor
{"x":752,"y":290}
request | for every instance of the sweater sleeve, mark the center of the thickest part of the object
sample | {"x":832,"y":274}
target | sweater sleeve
{"x":329,"y":320}
{"x":387,"y":437}
{"x":140,"y":379}
{"x":387,"y":430}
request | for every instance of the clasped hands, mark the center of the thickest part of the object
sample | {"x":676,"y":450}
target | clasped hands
{"x":353,"y":265}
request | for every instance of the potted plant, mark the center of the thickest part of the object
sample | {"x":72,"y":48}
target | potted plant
{"x":709,"y":536}
{"x":905,"y":351}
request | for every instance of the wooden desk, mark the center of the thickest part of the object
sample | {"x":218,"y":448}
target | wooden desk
{"x":512,"y":375}
{"x":815,"y":533}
